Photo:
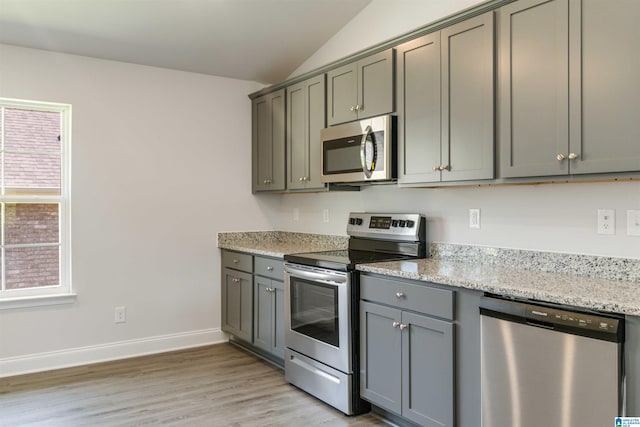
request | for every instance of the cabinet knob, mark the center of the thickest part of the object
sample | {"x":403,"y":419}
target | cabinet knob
{"x":266,"y":181}
{"x":395,"y":324}
{"x":400,"y":295}
{"x":573,"y":156}
{"x":269,"y":289}
{"x":403,"y":326}
{"x":560,"y":157}
{"x":353,"y":108}
{"x":269,"y":268}
{"x":235,"y":261}
{"x":235,"y":280}
{"x":444,"y":167}
{"x":359,"y":107}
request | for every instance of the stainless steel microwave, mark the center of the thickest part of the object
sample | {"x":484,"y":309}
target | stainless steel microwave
{"x":362,"y":151}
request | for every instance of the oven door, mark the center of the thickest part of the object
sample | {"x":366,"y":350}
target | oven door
{"x":317,"y":314}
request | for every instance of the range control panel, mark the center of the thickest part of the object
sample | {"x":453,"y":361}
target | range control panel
{"x":406,"y":227}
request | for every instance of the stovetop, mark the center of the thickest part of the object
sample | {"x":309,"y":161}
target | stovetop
{"x":343,"y":260}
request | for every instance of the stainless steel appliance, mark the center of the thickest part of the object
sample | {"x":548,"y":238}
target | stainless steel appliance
{"x":362,"y":151}
{"x":321,"y":305}
{"x":544,"y":365}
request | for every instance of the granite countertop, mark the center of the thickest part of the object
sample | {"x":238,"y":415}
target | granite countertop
{"x":591,"y":282}
{"x":616,"y":296}
{"x":277,"y":244}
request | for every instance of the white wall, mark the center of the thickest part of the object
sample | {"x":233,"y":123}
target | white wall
{"x":559,"y":217}
{"x":161,"y":163}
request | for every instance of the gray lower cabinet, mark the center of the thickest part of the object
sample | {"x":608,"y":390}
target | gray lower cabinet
{"x":268,"y":316}
{"x":305,"y":118}
{"x":568,"y":85}
{"x":268,"y":142}
{"x":237,"y":295}
{"x":253,"y":302}
{"x":632,"y":364}
{"x":407,"y":356}
{"x":361,"y":89}
{"x":445,"y":90}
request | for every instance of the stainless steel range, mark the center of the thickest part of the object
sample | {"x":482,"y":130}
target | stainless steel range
{"x":321,"y":305}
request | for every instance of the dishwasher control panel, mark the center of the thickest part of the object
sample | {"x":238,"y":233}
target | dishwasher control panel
{"x":571,"y":318}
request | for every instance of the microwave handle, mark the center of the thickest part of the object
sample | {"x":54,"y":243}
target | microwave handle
{"x":363,"y":158}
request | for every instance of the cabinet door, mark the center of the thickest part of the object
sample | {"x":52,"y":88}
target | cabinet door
{"x":305,"y":119}
{"x":278,"y":346}
{"x":237,"y":301}
{"x":263,"y":314}
{"x":427,"y":375}
{"x":268,"y":141}
{"x":419,"y":109}
{"x":375,"y":84}
{"x":380,"y":356}
{"x":342,"y":94}
{"x":605,"y":55}
{"x":467,"y":99}
{"x":534,"y":87}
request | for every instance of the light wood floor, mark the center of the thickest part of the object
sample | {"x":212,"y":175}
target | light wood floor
{"x":217,"y":385}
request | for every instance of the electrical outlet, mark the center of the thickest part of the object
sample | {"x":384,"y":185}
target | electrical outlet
{"x":474,"y":218}
{"x":633,"y":223}
{"x":325,"y":215}
{"x":120,"y":315}
{"x":606,"y":221}
{"x":296,"y":214}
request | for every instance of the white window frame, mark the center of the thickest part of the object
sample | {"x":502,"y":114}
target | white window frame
{"x":63,"y":293}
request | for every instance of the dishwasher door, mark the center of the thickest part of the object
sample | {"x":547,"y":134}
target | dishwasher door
{"x":545,"y":366}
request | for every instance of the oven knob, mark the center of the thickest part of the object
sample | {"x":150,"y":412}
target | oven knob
{"x":358,"y":221}
{"x":352,"y":221}
{"x":410,"y":223}
{"x":402,"y":223}
{"x":394,"y":223}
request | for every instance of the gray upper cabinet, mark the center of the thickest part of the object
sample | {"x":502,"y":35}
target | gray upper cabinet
{"x":534,"y":87}
{"x":268,"y":142}
{"x":445,"y":104}
{"x":569,"y":88}
{"x":361,"y":89}
{"x":605,"y":125}
{"x":305,"y":118}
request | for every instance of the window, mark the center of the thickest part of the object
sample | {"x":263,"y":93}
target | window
{"x":34,"y":200}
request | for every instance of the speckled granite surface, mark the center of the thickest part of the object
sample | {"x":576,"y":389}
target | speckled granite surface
{"x":617,"y":296}
{"x":582,"y":265}
{"x":279,"y":243}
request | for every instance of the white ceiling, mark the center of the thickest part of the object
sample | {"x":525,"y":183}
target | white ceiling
{"x":259,"y":40}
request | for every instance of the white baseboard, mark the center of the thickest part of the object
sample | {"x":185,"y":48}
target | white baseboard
{"x":111,"y":351}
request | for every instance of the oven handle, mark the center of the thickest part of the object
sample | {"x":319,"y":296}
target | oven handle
{"x":316,"y":275}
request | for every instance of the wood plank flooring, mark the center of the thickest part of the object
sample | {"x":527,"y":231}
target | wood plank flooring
{"x":218,"y":385}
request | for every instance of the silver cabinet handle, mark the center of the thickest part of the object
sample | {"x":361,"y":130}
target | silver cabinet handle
{"x":235,"y":280}
{"x":403,"y":326}
{"x":266,"y":181}
{"x":444,"y":167}
{"x":573,"y":156}
{"x":269,"y":268}
{"x":235,"y":261}
{"x":269,"y":289}
{"x":436,"y":168}
{"x":395,"y":324}
{"x":560,"y":157}
{"x":353,"y":108}
{"x":400,"y":295}
{"x":359,"y":107}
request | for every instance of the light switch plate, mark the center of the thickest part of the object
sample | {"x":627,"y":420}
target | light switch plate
{"x":633,"y":223}
{"x":474,"y":218}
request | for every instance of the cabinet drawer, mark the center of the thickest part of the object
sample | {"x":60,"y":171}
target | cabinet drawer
{"x":269,"y":267}
{"x":408,"y":296}
{"x":237,"y":261}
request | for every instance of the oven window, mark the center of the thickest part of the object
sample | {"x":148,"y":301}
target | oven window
{"x":314,"y":310}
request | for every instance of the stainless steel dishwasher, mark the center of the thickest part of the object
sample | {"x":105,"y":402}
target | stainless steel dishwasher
{"x":545,"y":365}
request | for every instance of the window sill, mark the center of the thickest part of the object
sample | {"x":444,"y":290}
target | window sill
{"x":37,"y":301}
